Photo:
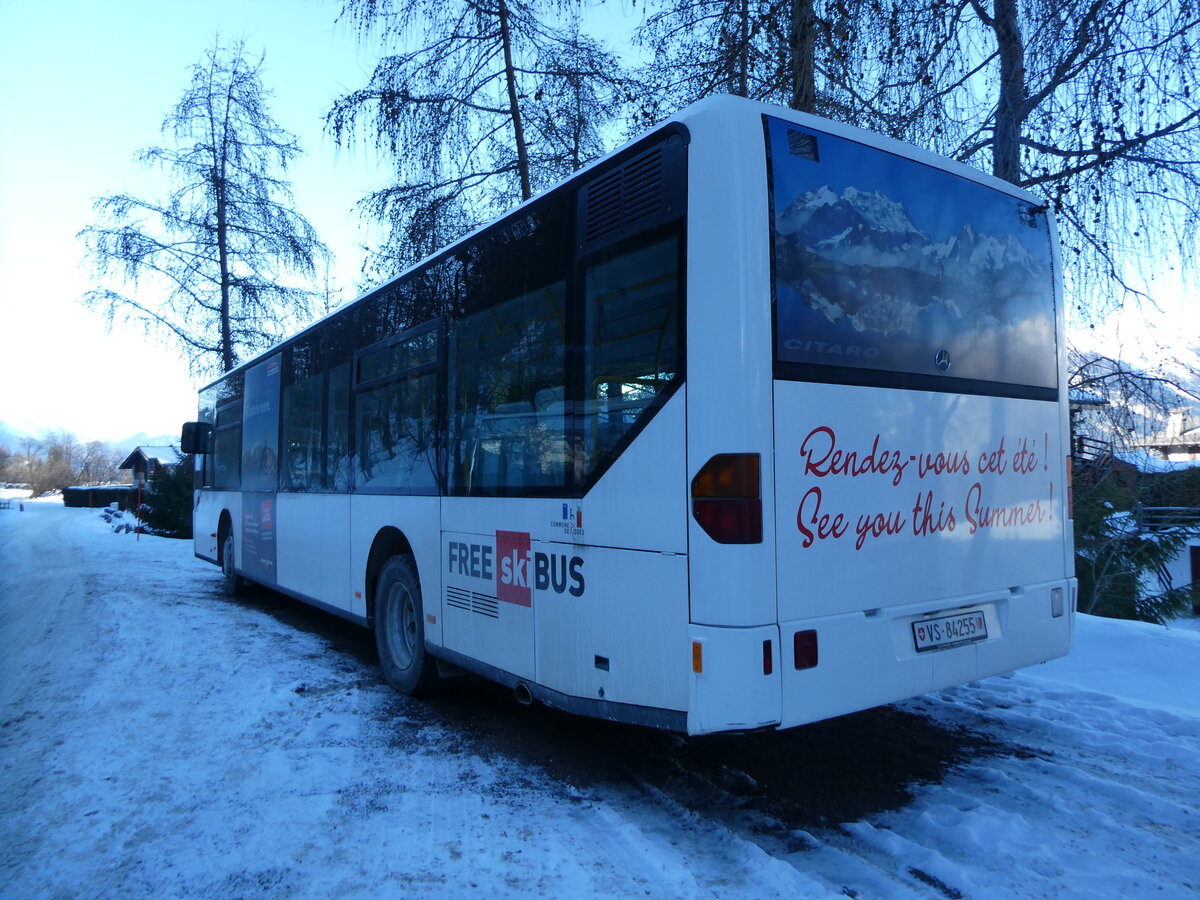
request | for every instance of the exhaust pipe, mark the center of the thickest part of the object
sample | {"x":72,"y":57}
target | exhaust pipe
{"x":523,"y":694}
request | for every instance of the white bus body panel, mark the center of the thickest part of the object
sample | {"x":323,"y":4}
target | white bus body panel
{"x":641,"y":502}
{"x":207,"y":518}
{"x":729,"y":351}
{"x":624,"y":639}
{"x":416,"y":518}
{"x":885,"y":497}
{"x":881,"y":522}
{"x":477,"y":618}
{"x":586,"y":598}
{"x":314,"y":548}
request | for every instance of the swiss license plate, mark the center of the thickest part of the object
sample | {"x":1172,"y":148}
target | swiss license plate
{"x":950,"y":631}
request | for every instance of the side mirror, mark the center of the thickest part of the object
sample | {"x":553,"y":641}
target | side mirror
{"x":195,"y":437}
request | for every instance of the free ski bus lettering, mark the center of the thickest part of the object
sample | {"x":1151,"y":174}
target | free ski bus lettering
{"x":516,"y":568}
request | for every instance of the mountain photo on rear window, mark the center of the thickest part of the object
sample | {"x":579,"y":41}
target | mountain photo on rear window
{"x":888,"y":264}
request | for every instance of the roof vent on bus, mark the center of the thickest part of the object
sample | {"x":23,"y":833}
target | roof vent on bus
{"x":646,"y":190}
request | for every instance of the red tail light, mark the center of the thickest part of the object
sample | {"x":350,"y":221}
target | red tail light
{"x":727,"y":498}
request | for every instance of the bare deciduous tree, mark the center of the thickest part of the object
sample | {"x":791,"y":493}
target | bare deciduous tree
{"x":98,"y":463}
{"x":818,"y":56}
{"x":1090,"y":103}
{"x":760,"y":49}
{"x":496,"y":99}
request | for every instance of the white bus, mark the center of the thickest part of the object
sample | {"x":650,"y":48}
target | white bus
{"x":759,"y":420}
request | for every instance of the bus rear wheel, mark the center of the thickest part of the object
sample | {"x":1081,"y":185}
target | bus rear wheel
{"x":400,"y":628}
{"x":233,"y":585}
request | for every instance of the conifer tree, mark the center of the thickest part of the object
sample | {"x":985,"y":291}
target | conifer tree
{"x":207,"y":265}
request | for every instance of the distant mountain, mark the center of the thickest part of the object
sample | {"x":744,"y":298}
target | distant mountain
{"x":11,"y":437}
{"x":144,"y":440}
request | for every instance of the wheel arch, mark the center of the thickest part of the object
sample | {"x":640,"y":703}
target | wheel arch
{"x":389,"y":542}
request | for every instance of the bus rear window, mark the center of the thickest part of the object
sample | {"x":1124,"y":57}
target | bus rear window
{"x":891,"y":272}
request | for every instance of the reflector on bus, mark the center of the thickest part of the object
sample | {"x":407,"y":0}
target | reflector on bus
{"x":804,"y":649}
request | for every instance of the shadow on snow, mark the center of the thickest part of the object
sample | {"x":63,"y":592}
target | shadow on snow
{"x":770,"y":784}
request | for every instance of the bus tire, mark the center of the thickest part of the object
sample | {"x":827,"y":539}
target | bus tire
{"x":233,"y":584}
{"x":400,"y":628}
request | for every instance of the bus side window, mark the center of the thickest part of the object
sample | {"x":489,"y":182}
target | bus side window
{"x":227,"y":448}
{"x":507,"y":412}
{"x":396,"y":412}
{"x":397,"y":435}
{"x":209,"y":399}
{"x":304,"y":384}
{"x":339,"y":351}
{"x":631,"y":351}
{"x":336,"y":475}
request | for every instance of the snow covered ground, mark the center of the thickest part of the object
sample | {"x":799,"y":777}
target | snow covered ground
{"x":160,"y":740}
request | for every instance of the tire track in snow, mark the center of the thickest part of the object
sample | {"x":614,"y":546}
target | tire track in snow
{"x":1087,"y":778}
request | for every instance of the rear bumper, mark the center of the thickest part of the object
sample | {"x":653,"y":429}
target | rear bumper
{"x":870,"y":658}
{"x":732,"y":691}
{"x":748,"y":679}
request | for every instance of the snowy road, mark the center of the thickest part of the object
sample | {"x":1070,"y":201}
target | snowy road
{"x":159,"y":740}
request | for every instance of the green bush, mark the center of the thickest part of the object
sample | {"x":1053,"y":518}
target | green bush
{"x":1119,"y":564}
{"x":166,"y":508}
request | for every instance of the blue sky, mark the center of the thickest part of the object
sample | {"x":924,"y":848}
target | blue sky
{"x":83,"y":86}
